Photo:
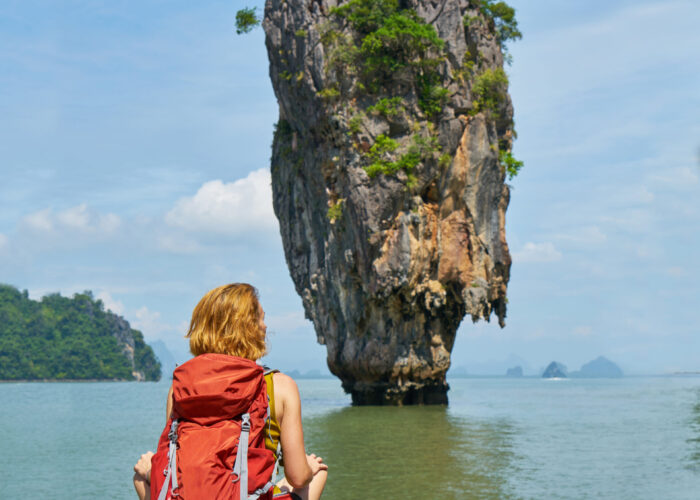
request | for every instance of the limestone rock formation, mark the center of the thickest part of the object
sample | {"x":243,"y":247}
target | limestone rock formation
{"x":516,"y":371}
{"x":388,"y":180}
{"x":554,"y":370}
{"x":601,"y":367}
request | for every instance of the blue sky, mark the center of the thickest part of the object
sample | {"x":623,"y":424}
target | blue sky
{"x":134,"y":162}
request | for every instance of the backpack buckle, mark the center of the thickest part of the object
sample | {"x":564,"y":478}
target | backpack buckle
{"x":172,"y":435}
{"x":245,"y":422}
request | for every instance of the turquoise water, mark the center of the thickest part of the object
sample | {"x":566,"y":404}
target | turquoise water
{"x":632,"y":438}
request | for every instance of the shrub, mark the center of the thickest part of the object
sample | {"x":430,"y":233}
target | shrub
{"x":246,"y":19}
{"x":366,"y":16}
{"x":388,"y":39}
{"x":509,"y":164}
{"x":335,"y":210}
{"x":444,"y":160}
{"x":489,"y":91}
{"x":502,"y":18}
{"x":355,"y":123}
{"x":379,"y":156}
{"x":329,"y":93}
{"x":431,"y":96}
{"x":387,"y":106}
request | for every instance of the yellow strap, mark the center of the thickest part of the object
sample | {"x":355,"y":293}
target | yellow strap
{"x":272,"y":436}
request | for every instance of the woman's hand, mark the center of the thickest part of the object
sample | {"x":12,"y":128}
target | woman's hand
{"x":315,"y":463}
{"x":143,"y":466}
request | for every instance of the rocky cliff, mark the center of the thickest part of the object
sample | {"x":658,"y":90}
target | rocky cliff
{"x":388,"y":165}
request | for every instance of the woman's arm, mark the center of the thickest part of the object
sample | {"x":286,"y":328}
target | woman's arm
{"x":142,"y":469}
{"x":169,"y":404}
{"x":298,"y":469}
{"x":142,"y":476}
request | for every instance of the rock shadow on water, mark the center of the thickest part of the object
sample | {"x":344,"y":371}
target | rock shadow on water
{"x":411,"y":453}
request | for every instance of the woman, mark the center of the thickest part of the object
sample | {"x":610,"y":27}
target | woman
{"x":229,"y":320}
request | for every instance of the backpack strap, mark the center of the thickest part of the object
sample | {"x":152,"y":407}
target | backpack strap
{"x":261,"y":491}
{"x":171,"y":474}
{"x":270,"y":402}
{"x":240,"y":466}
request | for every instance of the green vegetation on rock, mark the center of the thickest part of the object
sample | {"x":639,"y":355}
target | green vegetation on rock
{"x":383,"y":60}
{"x":246,"y":20}
{"x":502,"y":16}
{"x":489,"y":91}
{"x":335,"y":210}
{"x":379,"y":156}
{"x":489,"y":95}
{"x":63,"y":338}
{"x":386,"y":40}
{"x":355,"y":123}
{"x":387,"y":107}
{"x":382,"y":153}
{"x":510,"y":165}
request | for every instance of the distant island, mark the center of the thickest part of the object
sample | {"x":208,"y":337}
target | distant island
{"x":600,"y":367}
{"x":516,"y":371}
{"x":554,"y":370}
{"x":61,"y":338}
{"x":296,"y":374}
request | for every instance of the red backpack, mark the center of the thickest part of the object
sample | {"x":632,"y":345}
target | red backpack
{"x":213,"y":445}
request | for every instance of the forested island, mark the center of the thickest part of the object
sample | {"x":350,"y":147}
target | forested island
{"x":62,"y":338}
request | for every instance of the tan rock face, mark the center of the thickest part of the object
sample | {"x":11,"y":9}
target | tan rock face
{"x":386,"y":272}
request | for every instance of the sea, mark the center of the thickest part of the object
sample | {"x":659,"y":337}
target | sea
{"x":499,"y":438}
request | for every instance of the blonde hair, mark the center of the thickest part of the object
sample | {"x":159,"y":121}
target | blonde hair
{"x":227,"y":321}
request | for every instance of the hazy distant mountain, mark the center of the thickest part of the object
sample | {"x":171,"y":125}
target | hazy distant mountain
{"x":458,"y":371}
{"x":516,"y":371}
{"x":554,"y":370}
{"x":600,"y":367}
{"x":496,"y":367}
{"x":308,"y":374}
{"x":167,"y":361}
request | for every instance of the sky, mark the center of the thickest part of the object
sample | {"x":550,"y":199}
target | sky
{"x":134,"y":162}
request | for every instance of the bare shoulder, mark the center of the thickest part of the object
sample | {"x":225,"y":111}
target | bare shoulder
{"x":286,"y":393}
{"x":287,"y":398}
{"x":284,"y":384}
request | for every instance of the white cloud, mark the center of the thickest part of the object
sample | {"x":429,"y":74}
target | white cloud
{"x":604,"y":51}
{"x":537,"y":252}
{"x":635,"y":195}
{"x":287,"y":322}
{"x":585,"y":235}
{"x":3,"y":241}
{"x":582,"y":331}
{"x":110,"y":302}
{"x":631,"y":220}
{"x":39,"y":221}
{"x":150,"y":324}
{"x":77,"y":219}
{"x":675,"y":271}
{"x":178,"y":245}
{"x":218,"y":207}
{"x":677,"y":178}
